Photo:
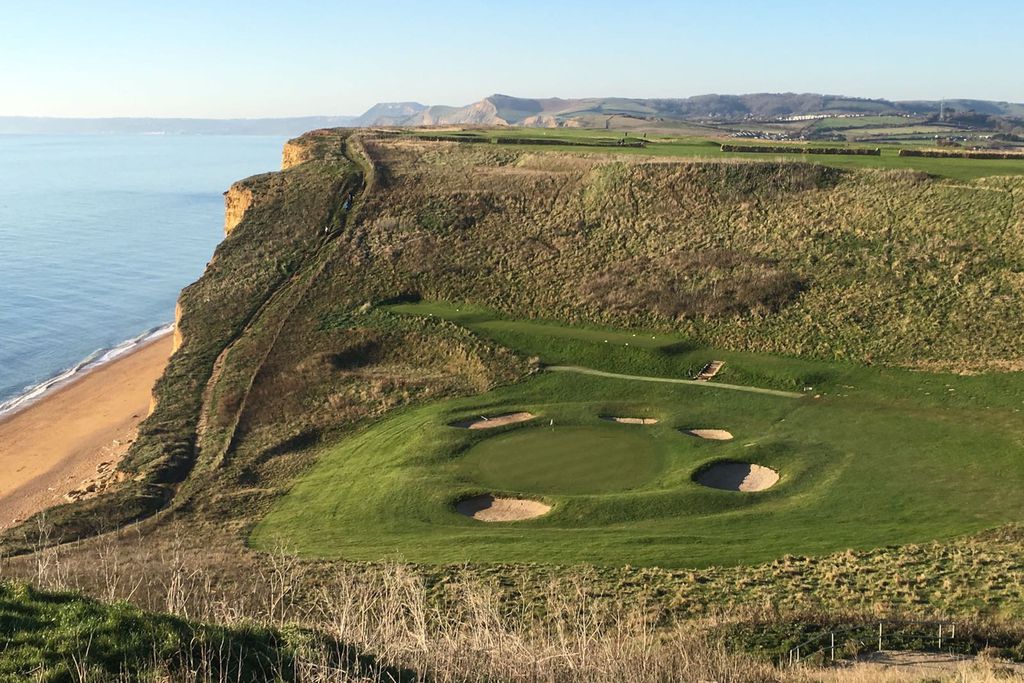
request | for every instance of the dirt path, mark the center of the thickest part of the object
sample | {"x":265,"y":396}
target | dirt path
{"x":672,"y":380}
{"x":215,"y":453}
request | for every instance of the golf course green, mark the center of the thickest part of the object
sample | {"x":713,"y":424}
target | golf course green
{"x":865,"y":457}
{"x":591,"y":459}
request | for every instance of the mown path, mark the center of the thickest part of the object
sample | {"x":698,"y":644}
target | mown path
{"x":673,"y":380}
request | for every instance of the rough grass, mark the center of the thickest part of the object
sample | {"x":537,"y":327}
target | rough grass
{"x":65,"y":637}
{"x":337,"y":622}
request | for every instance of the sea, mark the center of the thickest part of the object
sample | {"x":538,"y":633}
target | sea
{"x":98,"y":235}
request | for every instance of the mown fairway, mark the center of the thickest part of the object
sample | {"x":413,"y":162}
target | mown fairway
{"x":867,"y":457}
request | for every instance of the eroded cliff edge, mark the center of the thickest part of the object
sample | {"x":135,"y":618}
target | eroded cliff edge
{"x":273,"y":227}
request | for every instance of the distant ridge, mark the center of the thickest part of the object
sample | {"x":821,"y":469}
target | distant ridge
{"x":507,"y":110}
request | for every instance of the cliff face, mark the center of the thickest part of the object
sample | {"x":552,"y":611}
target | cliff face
{"x":294,"y":153}
{"x":237,"y":201}
{"x":177,"y":339}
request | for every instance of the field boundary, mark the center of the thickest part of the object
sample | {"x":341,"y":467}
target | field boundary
{"x":673,"y":380}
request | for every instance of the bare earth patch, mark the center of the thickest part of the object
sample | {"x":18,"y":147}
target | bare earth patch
{"x":487,"y":508}
{"x":630,"y":420}
{"x":483,"y":422}
{"x":712,"y":434}
{"x":737,"y":476}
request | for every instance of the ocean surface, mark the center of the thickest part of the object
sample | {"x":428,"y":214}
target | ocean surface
{"x":98,"y":234}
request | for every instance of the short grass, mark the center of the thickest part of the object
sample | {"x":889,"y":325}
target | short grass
{"x":868,"y":457}
{"x":710,"y":148}
{"x":567,"y":460}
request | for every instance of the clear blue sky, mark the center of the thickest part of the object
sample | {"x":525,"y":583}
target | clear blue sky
{"x":226,"y":58}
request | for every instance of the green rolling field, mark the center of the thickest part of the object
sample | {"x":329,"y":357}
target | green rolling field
{"x":867,"y":457}
{"x":700,"y":148}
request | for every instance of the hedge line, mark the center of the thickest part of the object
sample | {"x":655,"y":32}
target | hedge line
{"x":533,"y":141}
{"x":959,"y":154}
{"x":570,"y":143}
{"x":789,"y":149}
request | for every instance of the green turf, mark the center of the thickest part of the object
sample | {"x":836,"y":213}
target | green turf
{"x":569,"y":460}
{"x":63,"y":637}
{"x":867,"y":457}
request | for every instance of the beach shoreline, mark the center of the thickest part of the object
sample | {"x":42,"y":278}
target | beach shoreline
{"x":66,"y":443}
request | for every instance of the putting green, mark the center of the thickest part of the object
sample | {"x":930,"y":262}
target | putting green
{"x":567,"y":460}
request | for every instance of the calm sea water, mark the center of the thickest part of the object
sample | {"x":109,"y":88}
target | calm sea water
{"x":98,"y":234}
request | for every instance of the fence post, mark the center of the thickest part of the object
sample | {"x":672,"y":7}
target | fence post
{"x":940,"y":636}
{"x":879,"y":636}
{"x":953,"y":636}
{"x":833,"y":647}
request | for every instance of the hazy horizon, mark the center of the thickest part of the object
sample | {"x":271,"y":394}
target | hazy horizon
{"x":354,"y":114}
{"x":117,"y":59}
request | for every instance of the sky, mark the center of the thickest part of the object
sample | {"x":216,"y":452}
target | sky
{"x":260,"y":58}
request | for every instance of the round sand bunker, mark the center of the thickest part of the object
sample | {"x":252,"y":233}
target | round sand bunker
{"x":737,"y":476}
{"x":711,"y":434}
{"x":488,"y":508}
{"x":484,"y":422}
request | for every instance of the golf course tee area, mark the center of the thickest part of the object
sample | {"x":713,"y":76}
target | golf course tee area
{"x":615,"y":456}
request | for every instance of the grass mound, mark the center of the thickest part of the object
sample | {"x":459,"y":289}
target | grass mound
{"x":63,"y":637}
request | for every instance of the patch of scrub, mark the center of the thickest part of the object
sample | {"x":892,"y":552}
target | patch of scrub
{"x":484,"y":422}
{"x":737,"y":476}
{"x":630,"y":420}
{"x":488,"y":508}
{"x":711,"y":434}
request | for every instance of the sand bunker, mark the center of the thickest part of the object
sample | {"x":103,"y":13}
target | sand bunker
{"x":494,"y":421}
{"x":630,"y":420}
{"x":487,"y":508}
{"x":712,"y":434}
{"x":737,"y":476}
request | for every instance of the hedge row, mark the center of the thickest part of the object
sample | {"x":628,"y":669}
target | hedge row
{"x":789,"y":149}
{"x":452,"y":138}
{"x":534,"y":141}
{"x":959,"y":154}
{"x":570,"y":143}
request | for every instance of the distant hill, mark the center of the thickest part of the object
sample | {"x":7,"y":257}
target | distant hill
{"x":505,"y":110}
{"x":169,"y":126}
{"x":389,"y":113}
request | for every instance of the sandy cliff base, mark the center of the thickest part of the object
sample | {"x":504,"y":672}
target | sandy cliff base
{"x":72,"y":439}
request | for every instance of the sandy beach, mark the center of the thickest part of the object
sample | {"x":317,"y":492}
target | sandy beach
{"x":75,"y":436}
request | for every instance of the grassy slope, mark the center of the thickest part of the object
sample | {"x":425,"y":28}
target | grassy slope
{"x":883,"y":457}
{"x":62,"y":637}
